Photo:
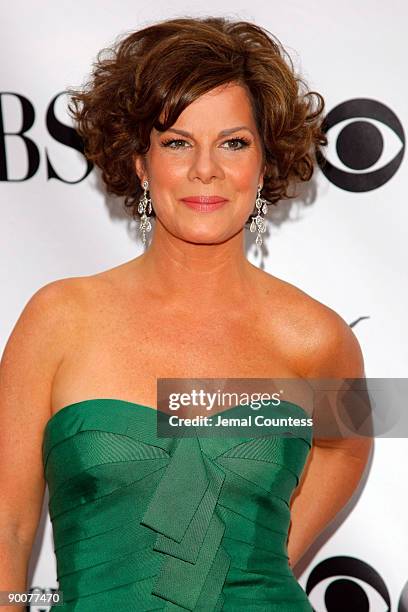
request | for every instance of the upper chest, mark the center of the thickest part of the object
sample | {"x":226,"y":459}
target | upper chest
{"x":125,"y":342}
{"x":150,"y":335}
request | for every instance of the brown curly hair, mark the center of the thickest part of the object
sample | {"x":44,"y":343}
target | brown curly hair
{"x":162,"y":68}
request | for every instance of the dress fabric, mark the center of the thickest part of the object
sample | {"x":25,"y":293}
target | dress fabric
{"x":143,"y":523}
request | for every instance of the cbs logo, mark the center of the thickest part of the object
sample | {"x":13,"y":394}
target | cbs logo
{"x":340,"y":584}
{"x":366,"y":145}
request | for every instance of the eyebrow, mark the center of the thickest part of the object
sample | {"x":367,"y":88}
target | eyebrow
{"x":222,"y":133}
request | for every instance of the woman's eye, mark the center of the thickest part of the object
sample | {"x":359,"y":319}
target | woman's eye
{"x":168,"y":143}
{"x":242,"y":142}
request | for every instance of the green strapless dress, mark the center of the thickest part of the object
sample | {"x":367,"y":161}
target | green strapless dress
{"x":147,"y":523}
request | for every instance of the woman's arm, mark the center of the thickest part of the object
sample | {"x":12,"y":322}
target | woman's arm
{"x":334,"y":467}
{"x":30,"y":359}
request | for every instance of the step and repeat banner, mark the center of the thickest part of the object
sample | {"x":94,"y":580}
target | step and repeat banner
{"x":343,"y":240}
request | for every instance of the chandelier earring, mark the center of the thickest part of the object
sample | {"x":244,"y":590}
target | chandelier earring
{"x":144,"y":208}
{"x":258,"y":222}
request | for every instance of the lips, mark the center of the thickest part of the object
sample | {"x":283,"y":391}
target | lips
{"x":204,"y":199}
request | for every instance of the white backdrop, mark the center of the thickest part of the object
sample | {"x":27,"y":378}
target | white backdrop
{"x":347,"y":249}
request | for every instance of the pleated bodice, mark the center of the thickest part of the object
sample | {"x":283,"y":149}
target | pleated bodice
{"x":144,"y":523}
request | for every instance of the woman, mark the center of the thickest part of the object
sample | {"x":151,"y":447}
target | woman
{"x":196,"y":122}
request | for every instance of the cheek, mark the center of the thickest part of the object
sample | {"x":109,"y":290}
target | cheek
{"x":165,"y":171}
{"x":244,"y":177}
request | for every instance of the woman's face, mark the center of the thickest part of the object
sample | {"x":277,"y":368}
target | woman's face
{"x":213,"y":149}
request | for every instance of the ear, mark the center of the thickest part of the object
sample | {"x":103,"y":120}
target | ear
{"x":140,"y":167}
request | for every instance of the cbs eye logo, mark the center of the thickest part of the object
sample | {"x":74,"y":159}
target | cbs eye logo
{"x":340,"y":584}
{"x":366,"y":145}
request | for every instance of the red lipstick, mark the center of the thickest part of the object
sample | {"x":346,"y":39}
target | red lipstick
{"x":204,"y":203}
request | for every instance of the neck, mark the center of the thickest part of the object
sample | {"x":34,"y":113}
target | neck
{"x":197,"y":276}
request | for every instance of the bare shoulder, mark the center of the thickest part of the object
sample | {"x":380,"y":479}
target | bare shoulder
{"x":325,"y":344}
{"x":333,"y":349}
{"x":66,"y":299}
{"x":55,"y":303}
{"x":45,"y":321}
{"x":66,"y":305}
{"x":62,"y":305}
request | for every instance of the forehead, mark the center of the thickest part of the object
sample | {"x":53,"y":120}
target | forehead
{"x":222,"y":107}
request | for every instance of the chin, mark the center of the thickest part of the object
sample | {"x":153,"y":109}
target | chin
{"x":205,"y":236}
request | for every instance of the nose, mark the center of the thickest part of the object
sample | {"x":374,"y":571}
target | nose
{"x":204,"y":165}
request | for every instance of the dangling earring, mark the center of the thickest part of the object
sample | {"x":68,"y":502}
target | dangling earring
{"x":258,"y":223}
{"x":145,"y":203}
